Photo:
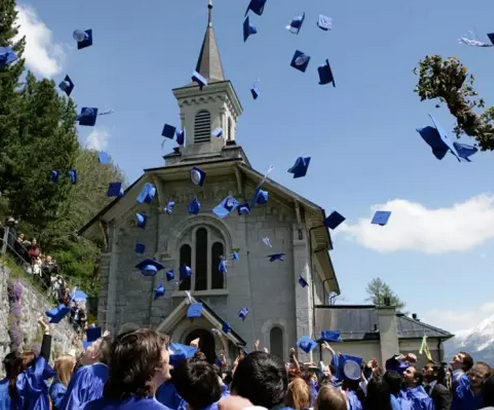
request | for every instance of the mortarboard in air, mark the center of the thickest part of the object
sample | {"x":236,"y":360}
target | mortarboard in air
{"x":254,"y":91}
{"x":115,"y":189}
{"x":261,"y":197}
{"x":276,"y":257}
{"x":169,"y":207}
{"x":351,"y":366}
{"x":147,"y":194}
{"x":170,"y":275}
{"x":194,"y":310}
{"x":141,"y":220}
{"x":226,"y":207}
{"x":324,"y":23}
{"x":381,"y":218}
{"x":54,"y":175}
{"x":302,"y":282}
{"x":169,"y":131}
{"x":180,"y":137}
{"x":57,"y":313}
{"x":306,"y":344}
{"x":465,"y":151}
{"x":491,"y":37}
{"x":159,"y":291}
{"x":78,"y":295}
{"x":248,"y":29}
{"x":226,"y":328}
{"x":84,"y":38}
{"x":218,"y":132}
{"x":267,"y":242}
{"x":222,"y":268}
{"x":7,"y":56}
{"x":67,"y":85}
{"x":438,"y":140}
{"x":330,"y":336}
{"x":199,"y":79}
{"x":257,"y":7}
{"x":149,"y":267}
{"x":185,"y":272}
{"x":334,"y":220}
{"x":300,"y":168}
{"x":93,"y":333}
{"x":179,"y":352}
{"x":194,"y":207}
{"x":325,"y":74}
{"x":88,"y":116}
{"x":197,"y":176}
{"x":244,"y":209}
{"x":243,"y":313}
{"x":140,"y":248}
{"x":103,"y":157}
{"x":72,"y":174}
{"x":300,"y":61}
{"x":296,"y":24}
{"x":235,"y":256}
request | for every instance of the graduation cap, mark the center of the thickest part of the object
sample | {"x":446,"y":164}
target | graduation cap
{"x":115,"y":189}
{"x":194,"y":310}
{"x":329,"y":336}
{"x":226,"y":207}
{"x":54,"y":175}
{"x":381,"y":218}
{"x":222,"y":268}
{"x":325,"y":74}
{"x":465,"y":151}
{"x":226,"y":328}
{"x":438,"y":140}
{"x":140,"y":248}
{"x":235,"y":256}
{"x":103,"y":157}
{"x":300,"y":168}
{"x":66,"y":85}
{"x":302,"y":282}
{"x":261,"y":197}
{"x":88,"y":116}
{"x":7,"y":56}
{"x":170,"y":275}
{"x":78,"y":295}
{"x":267,"y":242}
{"x":84,"y":38}
{"x":149,"y":267}
{"x":141,"y":220}
{"x":324,"y":23}
{"x":168,"y":131}
{"x":350,"y":366}
{"x":180,"y":137}
{"x":243,"y":313}
{"x":93,"y":333}
{"x":159,"y":291}
{"x":244,"y":209}
{"x":179,"y":352}
{"x":306,"y":344}
{"x":296,"y":24}
{"x":169,"y":207}
{"x":248,"y":29}
{"x":194,"y":207}
{"x":491,"y":37}
{"x":218,"y":132}
{"x":300,"y":61}
{"x":147,"y":194}
{"x":257,"y":7}
{"x":276,"y":257}
{"x":72,"y":174}
{"x":197,"y":176}
{"x":185,"y":272}
{"x":57,"y":313}
{"x":199,"y":79}
{"x":255,"y":92}
{"x":334,"y":220}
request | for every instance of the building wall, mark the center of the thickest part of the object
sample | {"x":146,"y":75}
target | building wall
{"x":413,"y":346}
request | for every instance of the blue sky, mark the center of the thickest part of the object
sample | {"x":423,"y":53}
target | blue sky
{"x":361,"y":135}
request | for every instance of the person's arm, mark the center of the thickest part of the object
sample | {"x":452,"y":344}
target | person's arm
{"x":293,"y":356}
{"x":46,"y":343}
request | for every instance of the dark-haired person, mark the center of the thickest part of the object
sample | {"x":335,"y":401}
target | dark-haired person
{"x":9,"y":365}
{"x":139,"y":364}
{"x":88,"y":381}
{"x":378,"y":394}
{"x":470,"y":397}
{"x":460,"y":364}
{"x":262,"y":379}
{"x":394,"y":381}
{"x":488,"y":394}
{"x":414,"y":391}
{"x":434,"y":375}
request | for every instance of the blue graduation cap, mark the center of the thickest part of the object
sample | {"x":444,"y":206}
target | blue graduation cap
{"x":235,"y":256}
{"x":170,"y":275}
{"x":302,"y":282}
{"x":84,"y":38}
{"x":300,"y":61}
{"x":218,"y":132}
{"x":324,"y":23}
{"x":243,"y":313}
{"x":329,"y":336}
{"x":438,"y":140}
{"x":194,"y":207}
{"x":180,"y":137}
{"x":465,"y":151}
{"x":168,"y":131}
{"x":306,"y":344}
{"x":169,"y":207}
{"x":141,"y":220}
{"x":88,"y":116}
{"x":248,"y":29}
{"x":179,"y":352}
{"x":300,"y":168}
{"x":197,"y":176}
{"x":115,"y":189}
{"x":325,"y":74}
{"x":255,"y":92}
{"x":222,"y":268}
{"x":226,"y":207}
{"x":93,"y":333}
{"x":276,"y":257}
{"x":261,"y":197}
{"x":185,"y":272}
{"x":381,"y":218}
{"x":78,"y":295}
{"x":350,"y":366}
{"x":57,"y":313}
{"x":257,"y":7}
{"x":72,"y":174}
{"x":226,"y":328}
{"x":491,"y":37}
{"x":7,"y":56}
{"x":296,"y":24}
{"x":334,"y":220}
{"x":140,"y":248}
{"x":54,"y":175}
{"x":147,"y":194}
{"x":159,"y":291}
{"x":149,"y":267}
{"x":103,"y":157}
{"x":194,"y":310}
{"x":244,"y":209}
{"x":199,"y":79}
{"x":66,"y":85}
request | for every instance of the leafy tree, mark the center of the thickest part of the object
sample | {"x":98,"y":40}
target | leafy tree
{"x":378,"y":291}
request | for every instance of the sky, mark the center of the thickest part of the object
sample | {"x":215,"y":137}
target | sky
{"x":436,"y":251}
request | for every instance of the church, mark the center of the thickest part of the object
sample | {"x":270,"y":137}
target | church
{"x":280,"y":309}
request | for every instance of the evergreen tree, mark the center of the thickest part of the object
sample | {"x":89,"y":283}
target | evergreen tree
{"x":379,"y":291}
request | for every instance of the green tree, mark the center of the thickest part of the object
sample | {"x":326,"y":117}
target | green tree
{"x":379,"y":291}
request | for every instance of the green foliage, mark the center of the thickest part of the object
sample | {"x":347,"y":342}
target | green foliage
{"x":449,"y":81}
{"x":378,"y":291}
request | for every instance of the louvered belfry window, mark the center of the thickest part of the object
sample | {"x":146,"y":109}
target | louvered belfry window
{"x":202,"y":127}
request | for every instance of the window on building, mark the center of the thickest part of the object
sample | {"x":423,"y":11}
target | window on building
{"x":216,"y":254}
{"x":276,"y":341}
{"x":229,"y":129}
{"x":201,"y":269}
{"x":202,"y":127}
{"x":185,"y":257}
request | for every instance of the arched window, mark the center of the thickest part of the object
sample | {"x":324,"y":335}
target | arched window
{"x":185,"y":257}
{"x":202,"y":127}
{"x":276,"y":341}
{"x":217,"y":276}
{"x":229,"y":129}
{"x":201,"y":268}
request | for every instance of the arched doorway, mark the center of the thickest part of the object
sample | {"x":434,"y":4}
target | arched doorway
{"x":206,"y":343}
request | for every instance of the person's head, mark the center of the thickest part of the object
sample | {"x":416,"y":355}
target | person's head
{"x":23,"y":361}
{"x":462,"y":361}
{"x":197,"y":383}
{"x":21,"y":236}
{"x":64,"y":366}
{"x":139,"y":364}
{"x":488,"y":392}
{"x":394,"y":381}
{"x":34,"y":242}
{"x":97,"y":352}
{"x":433,"y":371}
{"x":378,"y":394}
{"x":200,"y":356}
{"x":330,"y":398}
{"x":261,"y":378}
{"x":478,"y":374}
{"x":298,"y":395}
{"x":412,"y":377}
{"x":10,"y":363}
{"x":48,"y":259}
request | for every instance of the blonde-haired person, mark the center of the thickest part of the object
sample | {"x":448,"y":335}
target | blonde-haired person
{"x":330,"y":398}
{"x":298,"y":394}
{"x":64,"y":367}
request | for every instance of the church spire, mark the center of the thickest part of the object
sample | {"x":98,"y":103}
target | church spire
{"x":209,"y":62}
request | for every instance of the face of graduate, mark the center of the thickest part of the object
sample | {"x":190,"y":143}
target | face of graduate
{"x":428,"y":373}
{"x":477,"y":375}
{"x":409,"y":375}
{"x":457,"y":361}
{"x":163,"y":370}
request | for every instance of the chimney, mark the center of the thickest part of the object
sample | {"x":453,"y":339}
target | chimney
{"x":388,"y":332}
{"x":415,"y":317}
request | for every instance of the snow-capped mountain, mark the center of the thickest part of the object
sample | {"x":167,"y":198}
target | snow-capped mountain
{"x":478,"y":341}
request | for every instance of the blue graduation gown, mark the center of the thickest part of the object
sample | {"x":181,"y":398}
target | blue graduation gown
{"x":168,"y":396}
{"x":353,"y":401}
{"x":57,"y":393}
{"x":4,"y":395}
{"x":134,"y":403}
{"x":400,"y":403}
{"x":86,"y":385}
{"x":418,"y":397}
{"x":459,"y":381}
{"x":466,"y":400}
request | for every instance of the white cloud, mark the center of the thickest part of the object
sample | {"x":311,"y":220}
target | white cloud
{"x":461,"y":319}
{"x":43,"y":56}
{"x":414,"y":227}
{"x":98,"y":139}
